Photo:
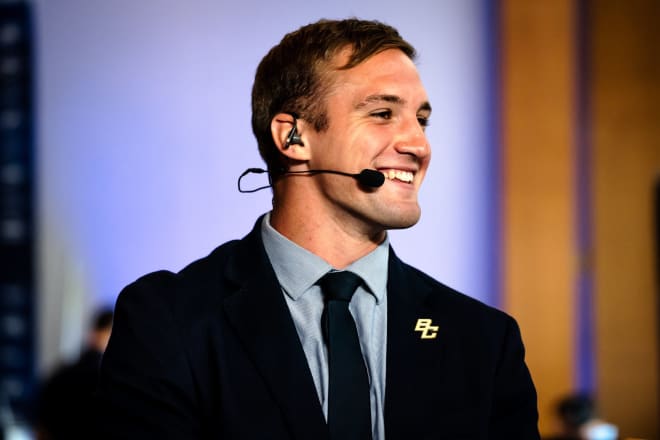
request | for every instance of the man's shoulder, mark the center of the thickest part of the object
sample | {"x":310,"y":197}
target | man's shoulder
{"x":211,"y":264}
{"x":470,"y":319}
{"x":196,"y":271}
{"x":199,"y":282}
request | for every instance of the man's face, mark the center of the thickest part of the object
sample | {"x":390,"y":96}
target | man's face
{"x":377,"y":113}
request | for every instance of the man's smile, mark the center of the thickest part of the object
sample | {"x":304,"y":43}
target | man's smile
{"x":395,"y":174}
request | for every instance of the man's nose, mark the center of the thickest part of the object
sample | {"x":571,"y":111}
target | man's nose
{"x":413,"y":139}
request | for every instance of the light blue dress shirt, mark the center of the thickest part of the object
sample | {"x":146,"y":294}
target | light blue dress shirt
{"x":297,"y":271}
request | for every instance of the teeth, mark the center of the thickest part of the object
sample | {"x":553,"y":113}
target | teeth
{"x":404,"y":176}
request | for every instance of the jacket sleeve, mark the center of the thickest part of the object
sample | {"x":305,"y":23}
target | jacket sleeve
{"x":514,"y":413}
{"x":145,"y":387}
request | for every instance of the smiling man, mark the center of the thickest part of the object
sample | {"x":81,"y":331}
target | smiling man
{"x":310,"y":327}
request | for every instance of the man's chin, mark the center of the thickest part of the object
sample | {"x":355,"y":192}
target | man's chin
{"x":403,"y":220}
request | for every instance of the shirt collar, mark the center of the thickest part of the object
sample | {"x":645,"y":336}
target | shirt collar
{"x":298,"y":269}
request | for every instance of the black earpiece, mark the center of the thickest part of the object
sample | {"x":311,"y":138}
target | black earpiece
{"x":293,"y":137}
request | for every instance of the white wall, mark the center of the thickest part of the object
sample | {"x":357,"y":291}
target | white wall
{"x":144,"y":126}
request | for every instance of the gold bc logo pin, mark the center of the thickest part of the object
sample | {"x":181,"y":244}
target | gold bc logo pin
{"x":424,"y":326}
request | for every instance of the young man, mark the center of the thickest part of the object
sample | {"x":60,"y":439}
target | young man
{"x":253,"y":341}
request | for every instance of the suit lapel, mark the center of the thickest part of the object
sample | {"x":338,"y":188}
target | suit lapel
{"x":413,"y":363}
{"x":261,"y":318}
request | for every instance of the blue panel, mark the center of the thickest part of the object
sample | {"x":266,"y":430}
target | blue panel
{"x":584,"y":355}
{"x":17,"y":238}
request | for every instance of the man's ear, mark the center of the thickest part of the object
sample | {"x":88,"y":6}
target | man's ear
{"x":288,"y":135}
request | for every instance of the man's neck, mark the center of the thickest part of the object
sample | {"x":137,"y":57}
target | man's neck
{"x":340,"y":242}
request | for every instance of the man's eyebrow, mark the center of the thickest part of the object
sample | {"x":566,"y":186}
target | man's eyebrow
{"x":392,"y":99}
{"x":426,"y":106}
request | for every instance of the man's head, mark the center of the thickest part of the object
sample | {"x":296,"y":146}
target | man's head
{"x":353,"y":93}
{"x":296,"y":75}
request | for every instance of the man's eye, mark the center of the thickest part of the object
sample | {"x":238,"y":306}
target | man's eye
{"x":383,"y":114}
{"x":423,"y":121}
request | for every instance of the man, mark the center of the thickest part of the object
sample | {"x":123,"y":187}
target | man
{"x":242,"y":344}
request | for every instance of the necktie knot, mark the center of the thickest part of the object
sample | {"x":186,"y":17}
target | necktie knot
{"x":339,"y":286}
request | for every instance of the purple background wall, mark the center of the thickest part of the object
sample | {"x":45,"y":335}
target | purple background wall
{"x":143,"y":128}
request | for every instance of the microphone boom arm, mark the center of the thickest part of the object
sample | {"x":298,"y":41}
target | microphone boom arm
{"x":367,"y":177}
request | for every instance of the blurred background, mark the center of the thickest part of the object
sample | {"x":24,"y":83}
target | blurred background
{"x":124,"y":126}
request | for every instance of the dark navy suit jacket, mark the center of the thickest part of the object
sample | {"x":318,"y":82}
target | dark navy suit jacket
{"x":212,"y":353}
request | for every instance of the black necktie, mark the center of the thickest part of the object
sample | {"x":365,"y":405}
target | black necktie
{"x":349,"y":409}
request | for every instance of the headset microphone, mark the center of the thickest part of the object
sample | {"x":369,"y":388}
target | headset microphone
{"x":371,"y":178}
{"x":368,"y":178}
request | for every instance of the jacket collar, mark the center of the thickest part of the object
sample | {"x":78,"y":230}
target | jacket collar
{"x":258,"y":312}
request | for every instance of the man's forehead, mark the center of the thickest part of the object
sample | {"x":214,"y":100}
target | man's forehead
{"x":341,"y":58}
{"x":388,"y":61}
{"x":376,"y":79}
